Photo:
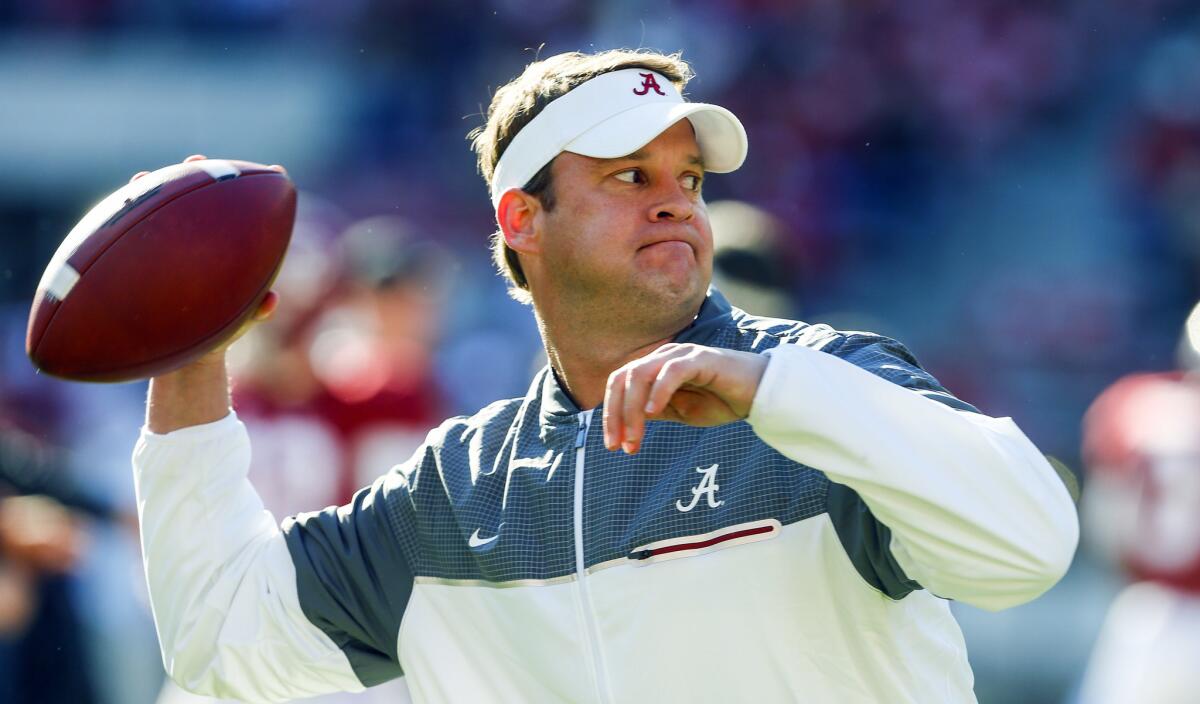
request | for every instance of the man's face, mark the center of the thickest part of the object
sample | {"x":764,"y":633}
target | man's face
{"x":630,"y":230}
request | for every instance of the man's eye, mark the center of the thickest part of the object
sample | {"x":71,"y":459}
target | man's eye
{"x":629,"y":176}
{"x":691,"y":182}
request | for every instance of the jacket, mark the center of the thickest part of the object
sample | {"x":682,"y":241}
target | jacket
{"x":806,"y":553}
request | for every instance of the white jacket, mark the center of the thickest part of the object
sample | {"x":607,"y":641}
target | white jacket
{"x":805,"y":554}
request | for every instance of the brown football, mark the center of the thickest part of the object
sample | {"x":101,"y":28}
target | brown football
{"x":161,"y":271}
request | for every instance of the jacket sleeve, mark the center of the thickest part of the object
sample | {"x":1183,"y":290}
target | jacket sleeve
{"x":969,"y":508}
{"x":241,"y":610}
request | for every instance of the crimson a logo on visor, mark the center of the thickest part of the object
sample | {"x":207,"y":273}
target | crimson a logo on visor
{"x":648,"y":82}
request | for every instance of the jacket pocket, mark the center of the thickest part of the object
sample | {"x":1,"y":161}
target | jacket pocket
{"x":690,"y":545}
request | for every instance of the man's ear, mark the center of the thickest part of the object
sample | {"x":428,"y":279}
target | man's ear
{"x":516,"y":213}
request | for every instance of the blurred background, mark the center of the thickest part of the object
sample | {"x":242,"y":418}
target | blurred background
{"x":1010,"y":188}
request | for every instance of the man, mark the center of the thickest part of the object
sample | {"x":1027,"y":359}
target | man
{"x":794,"y":534}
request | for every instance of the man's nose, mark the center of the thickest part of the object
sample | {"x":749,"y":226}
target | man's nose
{"x":671,"y":203}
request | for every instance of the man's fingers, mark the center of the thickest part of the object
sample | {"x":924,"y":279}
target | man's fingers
{"x":194,"y":157}
{"x":638,"y":384}
{"x":678,"y":382}
{"x":625,"y":398}
{"x":672,"y":376}
{"x":267,"y":307}
{"x":614,"y":402}
{"x":626,"y":395}
{"x":200,"y":157}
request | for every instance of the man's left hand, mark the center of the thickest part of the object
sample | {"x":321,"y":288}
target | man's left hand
{"x":686,"y":383}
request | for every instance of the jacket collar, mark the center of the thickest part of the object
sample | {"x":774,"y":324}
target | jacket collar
{"x":557,"y":408}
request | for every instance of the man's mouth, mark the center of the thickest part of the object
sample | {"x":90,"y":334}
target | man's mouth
{"x":661,"y":243}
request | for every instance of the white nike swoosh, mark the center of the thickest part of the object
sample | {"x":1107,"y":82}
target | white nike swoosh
{"x":476,"y":542}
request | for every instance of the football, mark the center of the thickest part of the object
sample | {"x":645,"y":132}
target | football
{"x":161,"y":271}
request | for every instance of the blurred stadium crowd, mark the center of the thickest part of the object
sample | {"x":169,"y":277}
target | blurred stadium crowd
{"x":1010,"y":188}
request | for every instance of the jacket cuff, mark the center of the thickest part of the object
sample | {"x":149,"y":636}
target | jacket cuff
{"x":195,"y":433}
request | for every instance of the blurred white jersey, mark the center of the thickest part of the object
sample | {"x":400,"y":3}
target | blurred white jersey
{"x":1148,"y":651}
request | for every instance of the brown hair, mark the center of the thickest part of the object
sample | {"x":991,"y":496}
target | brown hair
{"x":520,"y":100}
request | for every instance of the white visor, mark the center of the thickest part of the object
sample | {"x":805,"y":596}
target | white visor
{"x":612,"y":115}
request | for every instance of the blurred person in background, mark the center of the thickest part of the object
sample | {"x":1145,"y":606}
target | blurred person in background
{"x":40,"y":644}
{"x":1141,"y":510}
{"x":42,"y":538}
{"x":374,"y":350}
{"x":343,"y":378}
{"x":750,"y":265}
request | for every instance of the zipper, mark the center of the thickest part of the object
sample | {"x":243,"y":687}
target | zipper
{"x":751,"y":532}
{"x":646,"y":554}
{"x":593,"y":640}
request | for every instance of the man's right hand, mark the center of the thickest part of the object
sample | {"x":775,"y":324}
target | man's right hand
{"x":198,"y":393}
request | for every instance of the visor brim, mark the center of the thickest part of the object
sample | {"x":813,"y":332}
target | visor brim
{"x":719,"y":134}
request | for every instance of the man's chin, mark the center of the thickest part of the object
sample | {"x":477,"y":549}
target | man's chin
{"x":667,"y":292}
